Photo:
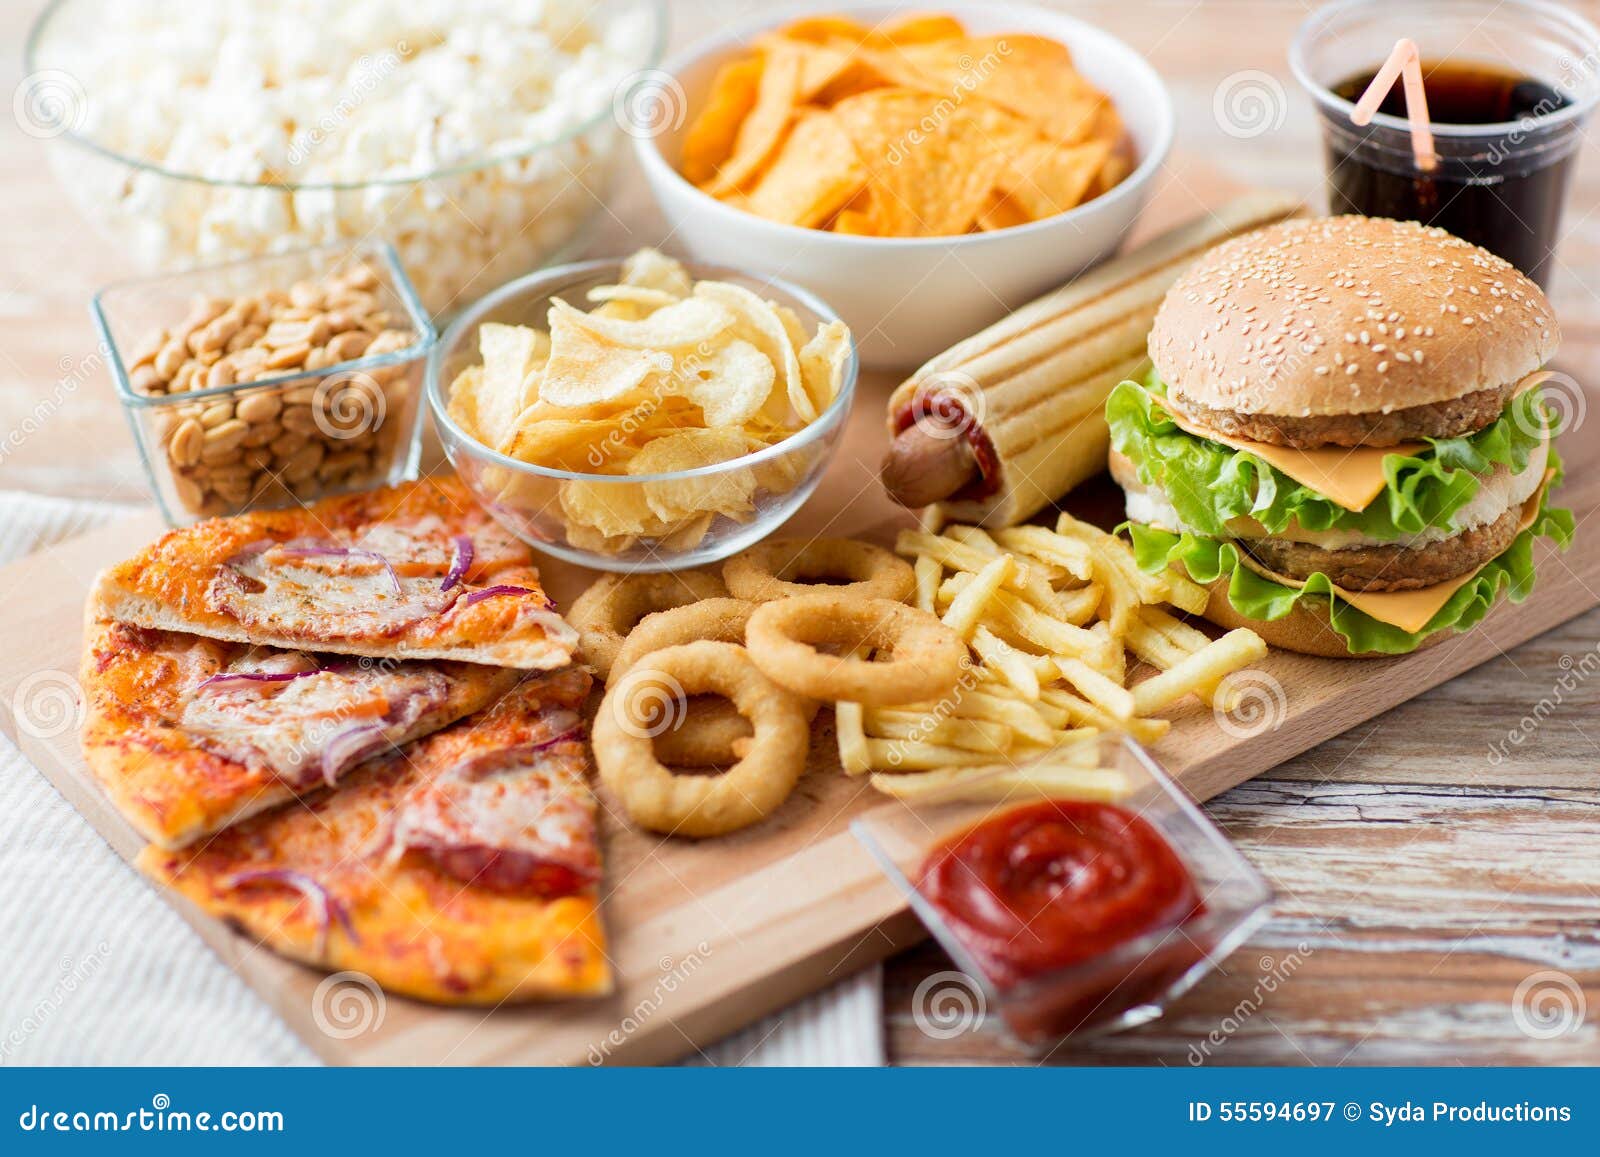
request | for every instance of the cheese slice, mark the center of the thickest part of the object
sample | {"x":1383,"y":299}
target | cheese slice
{"x":1409,"y":610}
{"x":1351,"y":476}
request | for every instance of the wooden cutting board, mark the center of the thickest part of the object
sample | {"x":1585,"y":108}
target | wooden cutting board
{"x":709,"y":937}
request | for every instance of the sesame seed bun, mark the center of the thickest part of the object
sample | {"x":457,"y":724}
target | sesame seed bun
{"x":1337,"y":316}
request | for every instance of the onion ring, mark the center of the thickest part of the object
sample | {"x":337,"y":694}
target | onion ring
{"x":611,"y":607}
{"x":926,"y":657}
{"x":767,"y":571}
{"x":711,"y":732}
{"x":699,"y":805}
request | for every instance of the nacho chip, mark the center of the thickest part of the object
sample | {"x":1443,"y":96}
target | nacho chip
{"x":1028,"y":75}
{"x":709,"y":141}
{"x":814,"y":173}
{"x":921,"y":29}
{"x":1044,"y":179}
{"x":854,"y":221}
{"x":762,"y":131}
{"x":932,"y":164}
{"x":1001,"y":212}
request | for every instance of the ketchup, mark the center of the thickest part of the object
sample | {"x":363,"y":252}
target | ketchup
{"x":1057,"y":885}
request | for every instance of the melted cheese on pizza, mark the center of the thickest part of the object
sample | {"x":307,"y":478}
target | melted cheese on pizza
{"x":519,"y":819}
{"x":316,"y":726}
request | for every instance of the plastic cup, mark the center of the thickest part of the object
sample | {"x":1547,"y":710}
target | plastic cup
{"x":1501,"y":185}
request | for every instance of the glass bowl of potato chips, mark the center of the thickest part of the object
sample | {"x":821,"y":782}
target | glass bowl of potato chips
{"x":643,"y":414}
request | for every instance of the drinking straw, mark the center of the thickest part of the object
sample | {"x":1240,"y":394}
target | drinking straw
{"x":1405,"y":60}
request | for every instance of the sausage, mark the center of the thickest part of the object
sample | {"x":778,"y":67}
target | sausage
{"x":922,"y":468}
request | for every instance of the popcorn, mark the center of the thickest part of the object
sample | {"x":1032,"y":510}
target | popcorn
{"x":325,"y":122}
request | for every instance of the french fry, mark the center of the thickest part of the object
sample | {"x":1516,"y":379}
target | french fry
{"x":1114,"y":665}
{"x":954,"y":555}
{"x":849,"y":722}
{"x":1205,"y":668}
{"x":902,"y":755}
{"x":1164,"y":642}
{"x":1006,"y":661}
{"x":948,"y":731}
{"x":975,"y":597}
{"x":1036,"y":542}
{"x":929,"y":574}
{"x":1186,"y":594}
{"x":985,"y":785}
{"x":1112,"y":698}
{"x":1086,"y":714}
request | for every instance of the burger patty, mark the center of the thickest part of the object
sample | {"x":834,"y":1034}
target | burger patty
{"x":1389,"y":568}
{"x":1449,"y":419}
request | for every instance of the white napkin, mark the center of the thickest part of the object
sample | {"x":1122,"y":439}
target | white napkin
{"x":98,"y":969}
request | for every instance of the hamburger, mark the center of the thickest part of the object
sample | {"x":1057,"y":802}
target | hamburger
{"x":1343,"y":434}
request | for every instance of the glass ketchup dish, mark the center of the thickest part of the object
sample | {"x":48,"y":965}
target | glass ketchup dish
{"x":1073,"y":917}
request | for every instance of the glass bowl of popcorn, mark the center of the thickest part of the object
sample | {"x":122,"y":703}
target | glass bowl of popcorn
{"x":643,"y":415}
{"x":480,"y":138}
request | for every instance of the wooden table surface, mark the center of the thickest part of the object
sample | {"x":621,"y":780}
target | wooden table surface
{"x":1438,"y":869}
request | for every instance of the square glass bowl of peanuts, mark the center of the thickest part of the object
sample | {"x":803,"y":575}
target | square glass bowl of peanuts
{"x":270,"y":381}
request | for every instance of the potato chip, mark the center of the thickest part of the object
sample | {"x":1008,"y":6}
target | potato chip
{"x":762,"y":131}
{"x":730,"y":384}
{"x":709,"y":141}
{"x":1044,"y":179}
{"x":663,"y":376}
{"x":652,"y":269}
{"x":814,"y":173}
{"x":822,"y":363}
{"x":614,"y":508}
{"x":639,"y":295}
{"x":562,"y":443}
{"x":463,"y":404}
{"x":585,"y":368}
{"x":792,"y":325}
{"x":692,"y":321}
{"x":510,"y":354}
{"x":757,"y":324}
{"x":932,"y":167}
{"x":721,"y":492}
{"x":689,"y":535}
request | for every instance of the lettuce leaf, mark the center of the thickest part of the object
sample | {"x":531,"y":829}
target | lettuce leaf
{"x":1255,"y":597}
{"x":1209,"y":483}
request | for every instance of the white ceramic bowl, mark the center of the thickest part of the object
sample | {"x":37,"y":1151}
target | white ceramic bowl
{"x":909,"y":298}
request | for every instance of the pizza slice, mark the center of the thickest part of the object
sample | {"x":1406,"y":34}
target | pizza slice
{"x":408,"y":572}
{"x":187,"y":735}
{"x":467,"y":872}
